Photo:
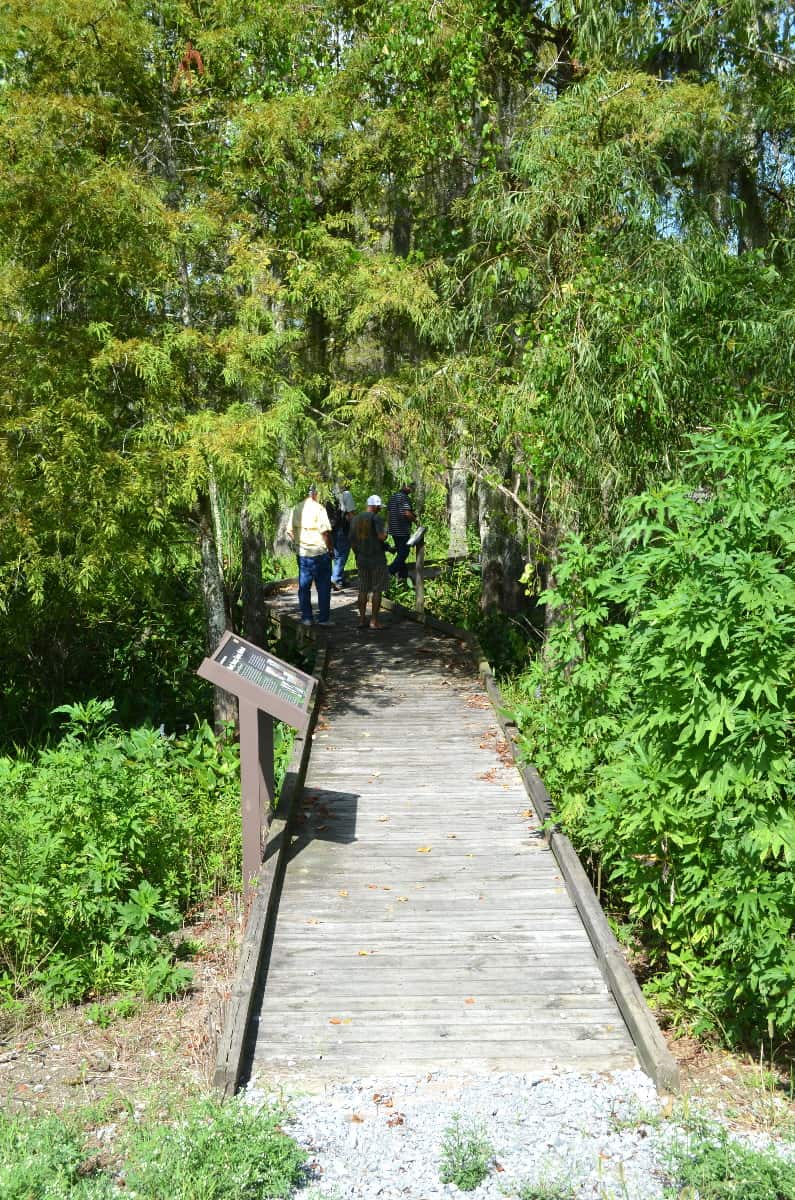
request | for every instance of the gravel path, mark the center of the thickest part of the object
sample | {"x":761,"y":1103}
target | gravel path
{"x":553,"y":1136}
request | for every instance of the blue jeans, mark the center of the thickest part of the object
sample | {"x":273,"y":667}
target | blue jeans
{"x":342,"y":548}
{"x":398,"y":563}
{"x":319,"y":570}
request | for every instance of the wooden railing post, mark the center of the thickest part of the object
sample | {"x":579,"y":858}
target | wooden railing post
{"x":419,"y":578}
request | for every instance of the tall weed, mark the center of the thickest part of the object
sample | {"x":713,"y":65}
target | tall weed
{"x":662,"y":718}
{"x":105,"y":840}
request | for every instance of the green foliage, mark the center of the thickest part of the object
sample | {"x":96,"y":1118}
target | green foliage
{"x":454,"y":595}
{"x":661,"y":719}
{"x":140,"y":645}
{"x":220,"y":1152}
{"x":465,"y":1156}
{"x":715,"y":1167}
{"x":208,"y":1150}
{"x":105,"y":839}
{"x":47,"y":1158}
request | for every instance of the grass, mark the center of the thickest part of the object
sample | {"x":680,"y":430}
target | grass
{"x":542,"y":1191}
{"x":715,"y":1167}
{"x":203,"y":1151}
{"x":466,"y":1155}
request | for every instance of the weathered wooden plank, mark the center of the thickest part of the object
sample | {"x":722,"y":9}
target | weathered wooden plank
{"x":324,"y":1033}
{"x":503,"y":1006}
{"x":431,"y":1052}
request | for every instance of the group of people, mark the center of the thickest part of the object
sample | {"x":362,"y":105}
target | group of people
{"x":323,"y":537}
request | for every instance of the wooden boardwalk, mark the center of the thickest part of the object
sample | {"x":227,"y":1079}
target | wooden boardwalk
{"x":423,"y":923}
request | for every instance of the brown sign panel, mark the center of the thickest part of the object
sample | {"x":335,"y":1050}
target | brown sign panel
{"x":254,"y":675}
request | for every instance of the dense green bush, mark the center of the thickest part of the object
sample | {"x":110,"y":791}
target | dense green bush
{"x":141,"y":646}
{"x":662,"y":721}
{"x":105,"y":840}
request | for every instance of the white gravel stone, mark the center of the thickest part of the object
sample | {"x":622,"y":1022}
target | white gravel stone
{"x":375,"y":1139}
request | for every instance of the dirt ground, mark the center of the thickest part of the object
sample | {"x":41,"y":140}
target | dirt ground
{"x":62,"y":1060}
{"x":70,"y":1059}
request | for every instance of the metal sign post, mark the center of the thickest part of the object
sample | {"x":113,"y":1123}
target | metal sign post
{"x":266,"y":688}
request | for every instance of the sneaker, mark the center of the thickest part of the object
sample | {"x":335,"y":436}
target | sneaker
{"x":303,"y":622}
{"x":336,"y":586}
{"x":324,"y":622}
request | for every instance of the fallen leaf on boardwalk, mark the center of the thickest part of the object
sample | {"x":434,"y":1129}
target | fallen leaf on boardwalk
{"x":469,"y":856}
{"x":383,"y":818}
{"x":373,"y":887}
{"x":340,"y":1020}
{"x":402,"y":899}
{"x":527,"y":815}
{"x":387,"y":1101}
{"x":364,"y":953}
{"x":312,"y":921}
{"x":386,"y":889}
{"x":395,"y":1119}
{"x":452,"y":835}
{"x":469,"y":1000}
{"x":499,"y":1168}
{"x":424,"y":849}
{"x":343,"y":891}
{"x":357,"y":1118}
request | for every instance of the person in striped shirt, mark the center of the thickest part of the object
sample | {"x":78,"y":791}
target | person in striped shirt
{"x":399,"y":518}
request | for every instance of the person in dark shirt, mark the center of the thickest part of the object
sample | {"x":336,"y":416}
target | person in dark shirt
{"x":400,"y":515}
{"x":367,"y":542}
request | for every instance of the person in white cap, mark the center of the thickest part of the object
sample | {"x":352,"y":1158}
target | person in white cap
{"x":368,"y":534}
{"x":309,"y":531}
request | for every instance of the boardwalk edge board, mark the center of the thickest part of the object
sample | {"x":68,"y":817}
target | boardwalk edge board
{"x":232,"y":1042}
{"x":653,"y":1053}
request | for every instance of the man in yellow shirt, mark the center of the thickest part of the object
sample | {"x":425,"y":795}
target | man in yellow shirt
{"x":309,"y":531}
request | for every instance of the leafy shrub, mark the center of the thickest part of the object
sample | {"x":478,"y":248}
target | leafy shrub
{"x":466,"y":1156}
{"x":211,"y":1151}
{"x":662,"y":717}
{"x":105,"y":840}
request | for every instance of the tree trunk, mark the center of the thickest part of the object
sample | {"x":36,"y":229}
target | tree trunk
{"x":457,"y":484}
{"x":216,"y":611}
{"x":491,"y":589}
{"x":501,"y":553}
{"x":253,"y":601}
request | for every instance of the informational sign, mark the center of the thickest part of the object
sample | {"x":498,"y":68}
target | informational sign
{"x":266,"y":688}
{"x":267,"y":672}
{"x":259,"y":678}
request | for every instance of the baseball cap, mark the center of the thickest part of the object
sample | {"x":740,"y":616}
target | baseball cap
{"x":376,"y":501}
